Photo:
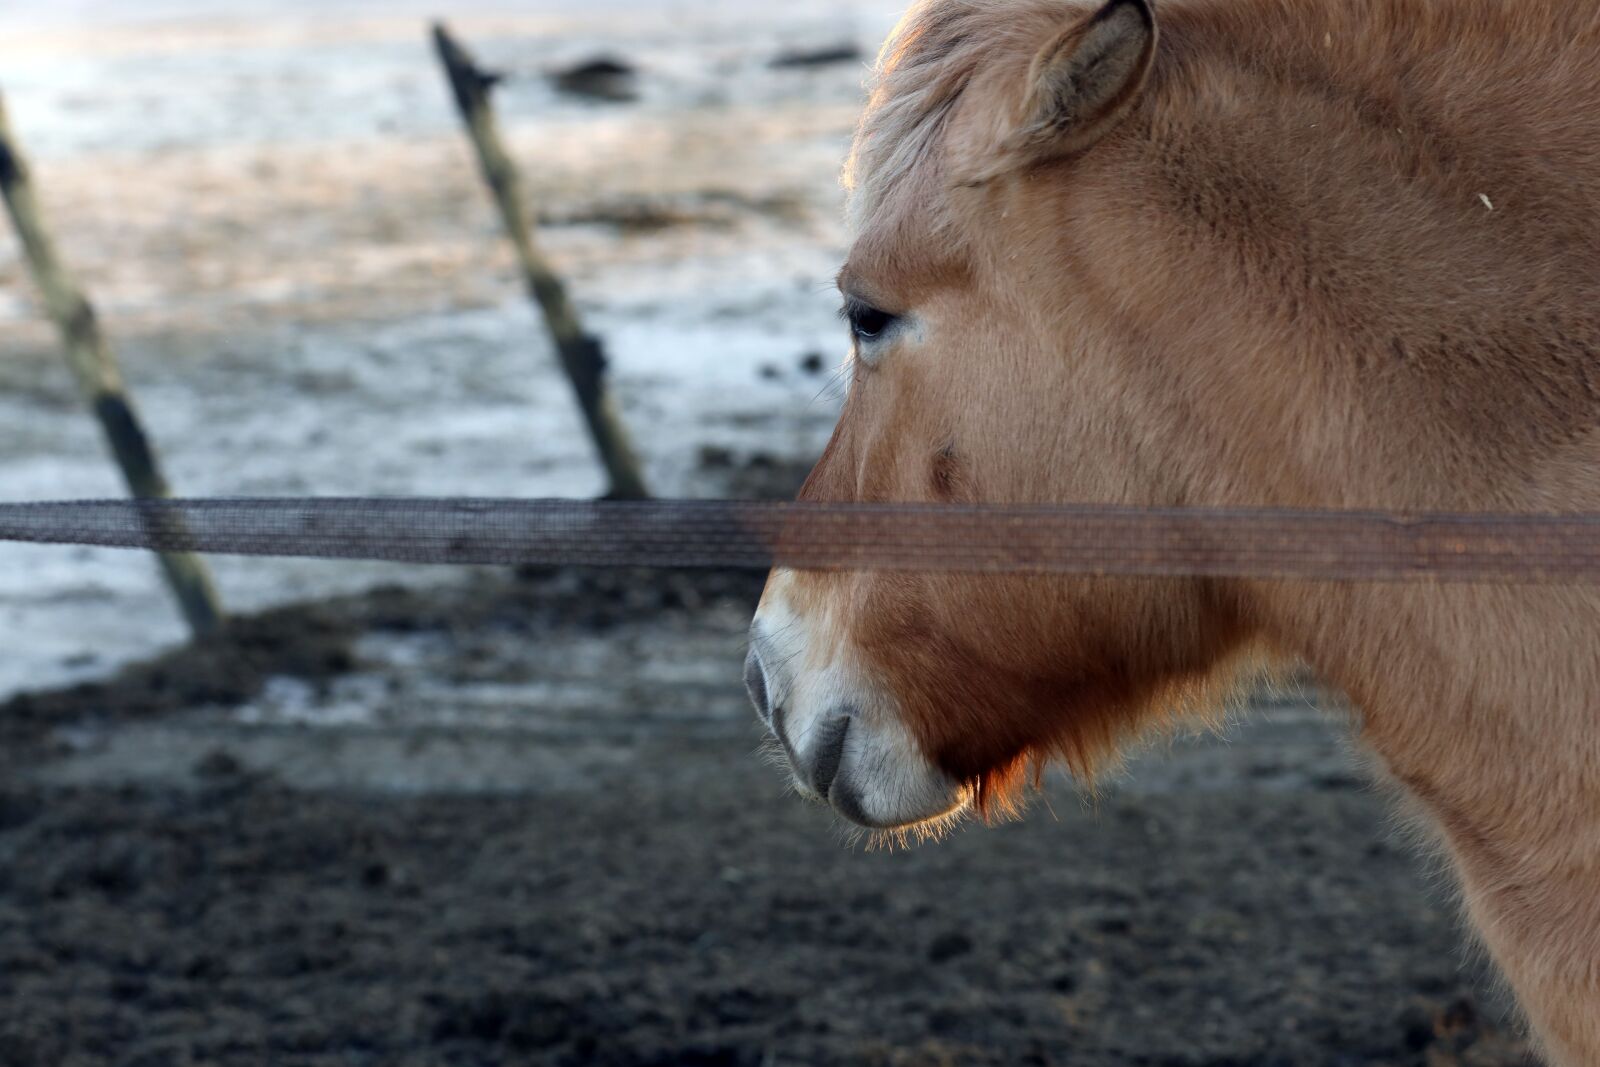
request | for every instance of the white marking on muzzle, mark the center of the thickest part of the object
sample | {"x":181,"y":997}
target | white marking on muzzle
{"x":845,"y":743}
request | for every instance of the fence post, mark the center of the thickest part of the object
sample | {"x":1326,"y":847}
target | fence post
{"x":98,"y":378}
{"x":581,"y":355}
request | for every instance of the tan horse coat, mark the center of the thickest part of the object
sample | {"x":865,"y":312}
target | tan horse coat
{"x":1323,"y":253}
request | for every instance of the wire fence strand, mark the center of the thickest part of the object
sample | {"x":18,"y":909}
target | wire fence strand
{"x":1257,"y":543}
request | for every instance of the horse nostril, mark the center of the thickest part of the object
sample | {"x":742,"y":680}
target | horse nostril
{"x":755,"y":682}
{"x":830,"y":754}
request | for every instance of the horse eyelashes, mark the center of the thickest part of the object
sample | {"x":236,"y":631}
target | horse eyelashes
{"x":867,"y":323}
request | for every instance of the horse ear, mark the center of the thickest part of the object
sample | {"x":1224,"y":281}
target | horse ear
{"x":1081,"y":84}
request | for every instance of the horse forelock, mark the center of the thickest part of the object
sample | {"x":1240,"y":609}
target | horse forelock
{"x":927,"y":66}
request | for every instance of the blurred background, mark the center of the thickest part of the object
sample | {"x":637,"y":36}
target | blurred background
{"x":396,"y":816}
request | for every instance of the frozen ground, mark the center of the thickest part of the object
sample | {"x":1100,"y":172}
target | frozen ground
{"x":281,"y":225}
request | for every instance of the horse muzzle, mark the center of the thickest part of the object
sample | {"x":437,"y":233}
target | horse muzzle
{"x":844,"y":745}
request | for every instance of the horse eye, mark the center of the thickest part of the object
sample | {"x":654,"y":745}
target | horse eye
{"x":867,"y":323}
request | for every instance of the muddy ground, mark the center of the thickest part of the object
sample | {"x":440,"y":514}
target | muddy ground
{"x":191,"y":874}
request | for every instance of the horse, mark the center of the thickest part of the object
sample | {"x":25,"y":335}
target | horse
{"x":1333,"y":254}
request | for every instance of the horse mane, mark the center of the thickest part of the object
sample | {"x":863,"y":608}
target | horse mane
{"x":941,"y":48}
{"x":924,"y":69}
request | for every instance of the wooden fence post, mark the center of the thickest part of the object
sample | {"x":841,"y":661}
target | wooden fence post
{"x":98,"y":378}
{"x":581,"y":355}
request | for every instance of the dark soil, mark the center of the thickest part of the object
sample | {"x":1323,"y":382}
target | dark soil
{"x":683,"y":911}
{"x":690,"y":917}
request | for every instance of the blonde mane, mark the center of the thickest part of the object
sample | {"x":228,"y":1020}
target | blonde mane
{"x":1472,"y":56}
{"x":924,"y":69}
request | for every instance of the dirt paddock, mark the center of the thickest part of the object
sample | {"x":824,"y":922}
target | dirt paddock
{"x":207,"y":861}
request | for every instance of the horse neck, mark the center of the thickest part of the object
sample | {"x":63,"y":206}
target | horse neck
{"x":1483,"y":704}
